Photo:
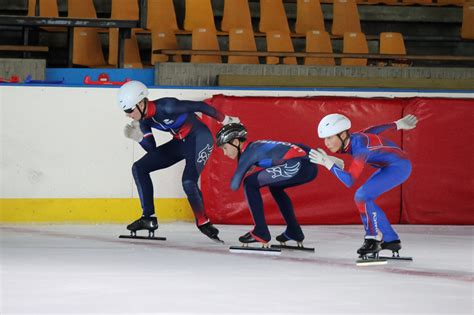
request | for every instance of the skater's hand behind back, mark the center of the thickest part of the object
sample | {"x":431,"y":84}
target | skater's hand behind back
{"x":408,"y":122}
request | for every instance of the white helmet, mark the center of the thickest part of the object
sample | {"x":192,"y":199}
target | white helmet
{"x":333,"y":124}
{"x":130,"y":94}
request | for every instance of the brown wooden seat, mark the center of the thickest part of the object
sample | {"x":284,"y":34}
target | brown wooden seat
{"x":165,"y":39}
{"x":273,"y":16}
{"x":199,"y":14}
{"x":204,"y":39}
{"x":241,"y":39}
{"x":318,"y":42}
{"x":345,"y":17}
{"x":87,"y":49}
{"x":281,"y":42}
{"x":354,"y":42}
{"x":47,"y":8}
{"x":161,"y":16}
{"x":392,"y":43}
{"x":124,"y":10}
{"x":467,"y":28}
{"x":309,"y":16}
{"x":236,"y":15}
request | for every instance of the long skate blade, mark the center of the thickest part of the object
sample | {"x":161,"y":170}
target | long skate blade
{"x":291,"y":247}
{"x":217,"y":240}
{"x":254,"y":250}
{"x":370,"y":262}
{"x":154,"y":238}
{"x":397,"y":258}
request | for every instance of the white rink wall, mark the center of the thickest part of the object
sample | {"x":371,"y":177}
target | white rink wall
{"x":67,"y":142}
{"x":64,"y":157}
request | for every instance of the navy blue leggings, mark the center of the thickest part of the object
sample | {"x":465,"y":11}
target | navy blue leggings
{"x":195,"y":149}
{"x":294,"y":172}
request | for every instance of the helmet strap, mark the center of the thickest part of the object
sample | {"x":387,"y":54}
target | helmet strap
{"x":343,"y":142}
{"x":142,"y":113}
{"x":239,"y":151}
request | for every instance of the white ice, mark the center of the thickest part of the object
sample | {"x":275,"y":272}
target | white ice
{"x":65,"y":269}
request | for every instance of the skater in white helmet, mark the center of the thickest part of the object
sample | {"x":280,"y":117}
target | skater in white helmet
{"x":192,"y":141}
{"x":367,"y":148}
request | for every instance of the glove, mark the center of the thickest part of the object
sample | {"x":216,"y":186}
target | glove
{"x":339,"y":162}
{"x":320,"y":157}
{"x":408,"y":122}
{"x":133,"y":131}
{"x":229,"y":120}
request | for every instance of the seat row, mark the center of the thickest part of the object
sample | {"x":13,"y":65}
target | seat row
{"x":242,"y":40}
{"x":200,"y":22}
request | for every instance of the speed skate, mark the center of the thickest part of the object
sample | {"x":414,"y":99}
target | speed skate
{"x":394,"y":246}
{"x":248,"y":238}
{"x":149,"y":224}
{"x":265,"y":249}
{"x":396,"y":256}
{"x":283,"y":239}
{"x":151,"y":236}
{"x":299,"y":246}
{"x":365,"y":260}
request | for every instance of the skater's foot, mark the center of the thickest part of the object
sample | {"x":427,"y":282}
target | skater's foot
{"x":394,"y":246}
{"x":370,"y":246}
{"x":144,"y":223}
{"x":210,"y":231}
{"x":250,"y":237}
{"x":289,"y":236}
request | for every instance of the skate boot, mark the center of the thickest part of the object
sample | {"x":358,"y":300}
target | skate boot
{"x":249,"y":237}
{"x":144,"y":223}
{"x":285,"y":237}
{"x":210,"y":231}
{"x":394,"y":246}
{"x":370,"y":247}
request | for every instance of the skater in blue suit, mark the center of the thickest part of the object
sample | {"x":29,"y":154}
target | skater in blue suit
{"x":367,"y":147}
{"x":192,"y":141}
{"x":281,"y":165}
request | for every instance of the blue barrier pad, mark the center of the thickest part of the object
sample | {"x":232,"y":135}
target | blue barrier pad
{"x":75,"y":76}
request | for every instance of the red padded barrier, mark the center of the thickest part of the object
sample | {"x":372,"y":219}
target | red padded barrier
{"x":439,"y":191}
{"x":323,"y":201}
{"x":441,"y":187}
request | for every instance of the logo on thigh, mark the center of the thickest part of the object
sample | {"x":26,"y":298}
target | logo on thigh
{"x":204,"y":154}
{"x":284,"y":170}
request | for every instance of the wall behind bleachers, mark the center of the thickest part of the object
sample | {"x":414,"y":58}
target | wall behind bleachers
{"x":64,"y":157}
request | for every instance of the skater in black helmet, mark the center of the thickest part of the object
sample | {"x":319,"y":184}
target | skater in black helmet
{"x":282,"y":165}
{"x":192,"y":141}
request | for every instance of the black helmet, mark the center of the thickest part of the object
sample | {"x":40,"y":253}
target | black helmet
{"x":230,"y":132}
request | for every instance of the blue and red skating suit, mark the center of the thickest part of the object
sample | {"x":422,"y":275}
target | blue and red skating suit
{"x":393,"y":169}
{"x":283,"y":165}
{"x":191,"y":141}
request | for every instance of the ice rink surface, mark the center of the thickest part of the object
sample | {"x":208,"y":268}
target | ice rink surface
{"x":82,"y":269}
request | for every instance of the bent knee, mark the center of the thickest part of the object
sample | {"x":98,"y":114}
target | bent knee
{"x":251,"y":182}
{"x":361,"y":195}
{"x":190,"y":186}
